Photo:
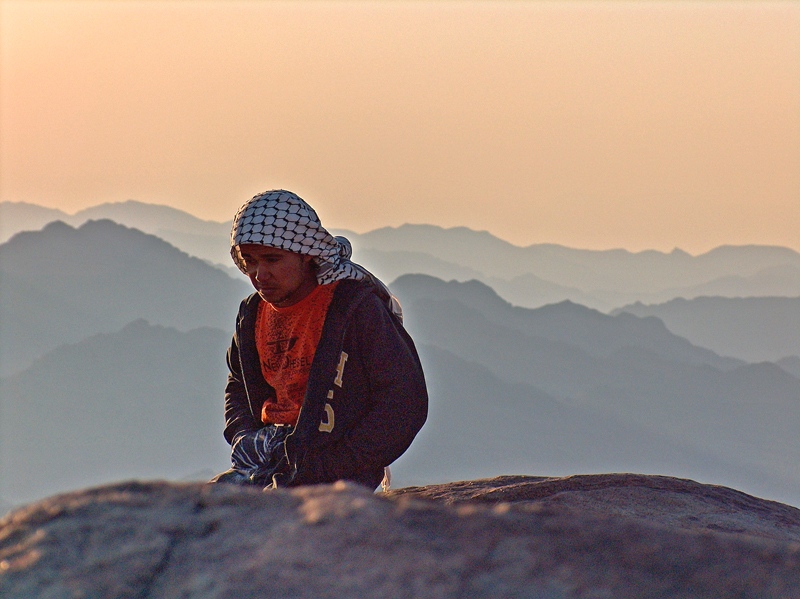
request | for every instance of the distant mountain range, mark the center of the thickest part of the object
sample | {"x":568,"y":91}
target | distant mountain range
{"x":790,"y":365}
{"x":142,"y":402}
{"x":480,"y":424}
{"x":96,"y":393}
{"x":540,"y":274}
{"x":61,"y":285}
{"x":755,"y":329}
{"x":206,"y":240}
{"x":632,"y":371}
{"x":526,"y":276}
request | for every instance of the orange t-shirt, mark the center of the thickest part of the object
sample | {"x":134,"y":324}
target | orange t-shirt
{"x":287,"y":339}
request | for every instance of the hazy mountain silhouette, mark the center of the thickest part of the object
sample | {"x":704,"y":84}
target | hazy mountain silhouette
{"x":527,"y":276}
{"x":531,"y":291}
{"x":566,"y":323}
{"x":390,"y":265}
{"x":479,"y":422}
{"x":645,"y":271}
{"x":151,"y":217}
{"x":146,"y":402}
{"x":542,"y":274}
{"x":781,"y":281}
{"x":204,"y":239}
{"x":629,"y":369}
{"x":61,"y":285}
{"x":790,"y":365}
{"x":555,"y":390}
{"x":207,"y":240}
{"x":754,"y":329}
{"x":143,"y":402}
{"x":20,"y":216}
{"x":522,"y":290}
{"x":559,"y":389}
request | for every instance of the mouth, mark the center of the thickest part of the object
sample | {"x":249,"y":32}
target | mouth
{"x":270,"y":294}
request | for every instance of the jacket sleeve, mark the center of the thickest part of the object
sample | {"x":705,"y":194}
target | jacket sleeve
{"x":238,"y":417}
{"x":398,"y":402}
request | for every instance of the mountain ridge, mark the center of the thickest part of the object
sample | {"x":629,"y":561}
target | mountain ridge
{"x":102,"y":275}
{"x":528,"y":276}
{"x":690,"y":394}
{"x":754,"y":329}
{"x":561,"y":386}
{"x":143,"y":401}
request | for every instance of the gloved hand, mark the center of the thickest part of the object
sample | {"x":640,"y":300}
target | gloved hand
{"x":259,"y":453}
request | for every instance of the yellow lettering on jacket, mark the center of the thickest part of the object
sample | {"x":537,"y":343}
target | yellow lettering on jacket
{"x":326,"y":426}
{"x":340,"y":369}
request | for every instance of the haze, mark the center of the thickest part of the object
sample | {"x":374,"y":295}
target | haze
{"x":588,"y":124}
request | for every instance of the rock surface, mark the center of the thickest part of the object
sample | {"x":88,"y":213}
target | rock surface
{"x":672,"y":502}
{"x":595,"y":536}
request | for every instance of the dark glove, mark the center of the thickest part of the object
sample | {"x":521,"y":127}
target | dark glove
{"x":260,"y":453}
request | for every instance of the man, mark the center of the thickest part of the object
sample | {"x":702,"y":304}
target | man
{"x":324,"y":382}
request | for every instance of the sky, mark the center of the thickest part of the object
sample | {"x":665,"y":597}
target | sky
{"x":636,"y":125}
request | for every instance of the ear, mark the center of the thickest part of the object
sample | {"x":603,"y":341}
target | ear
{"x":309,"y":263}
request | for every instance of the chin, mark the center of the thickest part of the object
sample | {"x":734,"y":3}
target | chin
{"x":268,"y":297}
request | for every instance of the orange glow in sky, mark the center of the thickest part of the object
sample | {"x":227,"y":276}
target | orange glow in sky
{"x":589,"y":124}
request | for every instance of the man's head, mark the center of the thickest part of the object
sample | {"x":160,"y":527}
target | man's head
{"x":282,"y":220}
{"x":277,"y":240}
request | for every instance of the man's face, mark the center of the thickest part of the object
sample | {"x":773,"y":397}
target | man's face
{"x":280,"y":277}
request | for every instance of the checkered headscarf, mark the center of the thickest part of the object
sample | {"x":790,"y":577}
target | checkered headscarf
{"x":281,"y":219}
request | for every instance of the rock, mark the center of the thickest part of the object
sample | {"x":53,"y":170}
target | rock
{"x":602,"y":536}
{"x":671,"y":502}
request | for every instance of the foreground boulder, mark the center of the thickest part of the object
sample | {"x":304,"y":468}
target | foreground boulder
{"x":602,"y":536}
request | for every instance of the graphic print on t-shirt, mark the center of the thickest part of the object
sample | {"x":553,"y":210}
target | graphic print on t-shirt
{"x":281,"y":346}
{"x":287,"y":339}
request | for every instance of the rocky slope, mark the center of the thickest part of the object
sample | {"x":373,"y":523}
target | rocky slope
{"x":620,"y":536}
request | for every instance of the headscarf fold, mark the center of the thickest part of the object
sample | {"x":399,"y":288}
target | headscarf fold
{"x":283,"y":220}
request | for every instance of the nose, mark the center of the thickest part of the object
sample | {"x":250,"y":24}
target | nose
{"x":261,"y":272}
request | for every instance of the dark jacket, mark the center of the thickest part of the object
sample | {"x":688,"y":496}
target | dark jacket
{"x":365,"y":400}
